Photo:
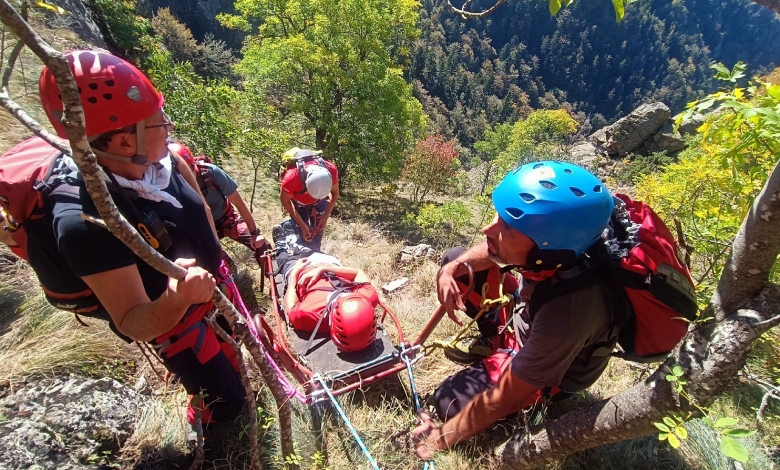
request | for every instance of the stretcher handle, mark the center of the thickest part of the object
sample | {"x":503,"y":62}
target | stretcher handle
{"x":439,"y":313}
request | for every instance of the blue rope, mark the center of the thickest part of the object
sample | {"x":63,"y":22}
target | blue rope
{"x":428,"y":465}
{"x":348,"y":423}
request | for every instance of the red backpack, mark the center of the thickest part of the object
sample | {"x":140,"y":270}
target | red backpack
{"x":29,"y":172}
{"x":653,"y":292}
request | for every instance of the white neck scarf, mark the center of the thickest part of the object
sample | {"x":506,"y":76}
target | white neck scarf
{"x":156,"y":178}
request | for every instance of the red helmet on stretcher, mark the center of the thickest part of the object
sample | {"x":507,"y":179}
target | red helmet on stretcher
{"x":352,"y":323}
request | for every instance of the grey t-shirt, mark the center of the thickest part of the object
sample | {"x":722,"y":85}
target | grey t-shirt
{"x":556,"y":343}
{"x":216,"y":197}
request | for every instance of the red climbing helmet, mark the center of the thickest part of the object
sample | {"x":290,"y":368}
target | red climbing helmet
{"x":114,"y":93}
{"x":352,"y":323}
{"x":183,"y":151}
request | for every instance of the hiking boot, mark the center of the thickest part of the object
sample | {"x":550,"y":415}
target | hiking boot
{"x":469,"y":350}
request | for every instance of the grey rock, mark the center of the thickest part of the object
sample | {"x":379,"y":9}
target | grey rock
{"x":412,"y":253}
{"x":665,"y":139}
{"x":631,"y":132}
{"x":79,"y":21}
{"x":59,"y":423}
{"x":690,"y":126}
{"x":393,"y":286}
{"x":584,"y":153}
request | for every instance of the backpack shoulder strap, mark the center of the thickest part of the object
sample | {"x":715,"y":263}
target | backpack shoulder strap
{"x":300,"y":167}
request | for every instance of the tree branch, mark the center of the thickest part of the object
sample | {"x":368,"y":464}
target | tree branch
{"x":254,"y":457}
{"x":753,"y":252}
{"x":73,"y":120}
{"x":17,"y":111}
{"x":465,"y":14}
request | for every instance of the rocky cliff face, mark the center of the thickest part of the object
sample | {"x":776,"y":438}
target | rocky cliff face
{"x":199,"y":16}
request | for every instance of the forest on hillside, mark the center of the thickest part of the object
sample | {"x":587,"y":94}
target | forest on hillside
{"x":473,"y":74}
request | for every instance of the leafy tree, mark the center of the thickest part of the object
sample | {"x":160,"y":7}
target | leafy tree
{"x":541,"y":136}
{"x":442,"y":224}
{"x":336,"y":63}
{"x":200,"y":108}
{"x":124,"y":31}
{"x":733,"y":156}
{"x":176,"y":38}
{"x":431,"y":167}
{"x":218,"y":59}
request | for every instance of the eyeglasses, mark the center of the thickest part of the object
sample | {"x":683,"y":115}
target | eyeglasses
{"x":167,"y":124}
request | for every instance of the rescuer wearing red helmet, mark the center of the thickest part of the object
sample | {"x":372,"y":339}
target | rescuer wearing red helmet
{"x":128,"y":130}
{"x":221,"y":194}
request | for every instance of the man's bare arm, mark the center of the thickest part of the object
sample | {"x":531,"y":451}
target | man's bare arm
{"x":140,"y":318}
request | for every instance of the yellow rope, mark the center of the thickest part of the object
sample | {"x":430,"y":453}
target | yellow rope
{"x":485,"y":305}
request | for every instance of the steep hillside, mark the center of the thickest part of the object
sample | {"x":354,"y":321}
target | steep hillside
{"x":478,"y":73}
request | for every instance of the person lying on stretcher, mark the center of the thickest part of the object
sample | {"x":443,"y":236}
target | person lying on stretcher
{"x":324,"y":296}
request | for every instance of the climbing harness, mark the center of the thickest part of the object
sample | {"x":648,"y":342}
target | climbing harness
{"x":486,"y":306}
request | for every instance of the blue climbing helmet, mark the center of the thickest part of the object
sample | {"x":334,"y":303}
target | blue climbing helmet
{"x":558,"y":205}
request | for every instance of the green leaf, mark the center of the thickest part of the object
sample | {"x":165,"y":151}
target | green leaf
{"x":721,"y":72}
{"x":671,"y":378}
{"x":620,"y":10}
{"x":663,"y":428}
{"x":706,"y":420}
{"x":731,"y":448}
{"x":739,"y":432}
{"x":555,"y":6}
{"x":681,"y":432}
{"x":662,"y":436}
{"x":705,"y":105}
{"x":669,"y":422}
{"x":726,"y":422}
{"x":674,"y":441}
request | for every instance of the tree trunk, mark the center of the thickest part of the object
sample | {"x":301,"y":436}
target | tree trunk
{"x":114,"y":221}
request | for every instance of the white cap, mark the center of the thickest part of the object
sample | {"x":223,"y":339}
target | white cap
{"x":318,"y":181}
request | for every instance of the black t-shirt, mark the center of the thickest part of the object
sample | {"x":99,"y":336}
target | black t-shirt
{"x":89,"y":249}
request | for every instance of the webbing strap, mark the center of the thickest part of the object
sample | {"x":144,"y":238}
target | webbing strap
{"x":486,"y":305}
{"x":347,"y":422}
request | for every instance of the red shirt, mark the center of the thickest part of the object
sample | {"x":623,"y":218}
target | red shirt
{"x":311,"y":304}
{"x":291,"y":183}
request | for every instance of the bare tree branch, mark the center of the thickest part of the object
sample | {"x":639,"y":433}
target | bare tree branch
{"x":17,"y":111}
{"x":73,"y":120}
{"x":465,"y":14}
{"x":254,"y":456}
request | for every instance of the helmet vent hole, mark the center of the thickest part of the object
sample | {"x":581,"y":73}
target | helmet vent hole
{"x":79,"y":90}
{"x":568,"y":171}
{"x":109,"y":83}
{"x":92,"y":86}
{"x":548,"y":184}
{"x":577,"y":192}
{"x":597,"y":189}
{"x":527,"y":197}
{"x":113,"y":118}
{"x":514,"y":212}
{"x":538,"y":165}
{"x":92,"y":100}
{"x":107,"y":96}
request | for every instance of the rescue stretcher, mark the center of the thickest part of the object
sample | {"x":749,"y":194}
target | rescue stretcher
{"x":320,"y":362}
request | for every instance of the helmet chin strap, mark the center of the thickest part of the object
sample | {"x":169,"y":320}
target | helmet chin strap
{"x":140,"y":147}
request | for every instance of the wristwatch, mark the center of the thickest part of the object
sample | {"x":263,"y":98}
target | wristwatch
{"x":255,"y":232}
